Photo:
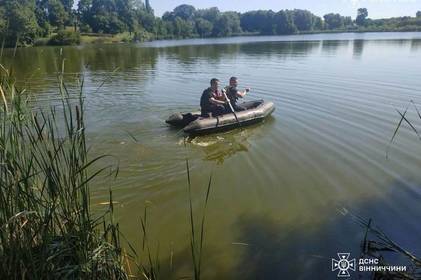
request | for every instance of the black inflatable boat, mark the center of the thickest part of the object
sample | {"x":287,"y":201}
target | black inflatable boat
{"x":193,"y":123}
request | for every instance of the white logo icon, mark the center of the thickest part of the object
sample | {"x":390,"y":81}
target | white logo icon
{"x":343,"y":264}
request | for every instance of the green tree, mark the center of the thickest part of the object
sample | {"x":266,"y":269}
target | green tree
{"x":84,"y":6}
{"x":259,"y":21}
{"x":160,"y":28}
{"x":68,"y":6}
{"x":2,"y":21}
{"x":334,"y":21}
{"x":103,"y":17}
{"x":418,"y":14}
{"x":148,"y":7}
{"x":84,"y":15}
{"x":204,"y":27}
{"x":221,"y":27}
{"x":303,"y":20}
{"x":146,"y":20}
{"x":19,"y":21}
{"x":182,"y":28}
{"x":168,"y":16}
{"x":126,"y":14}
{"x":284,"y":23}
{"x":57,"y":15}
{"x":318,"y":24}
{"x":227,"y":24}
{"x":348,"y":21}
{"x":107,"y":24}
{"x":184,"y":11}
{"x":362,"y":15}
{"x":41,"y":14}
{"x":234,"y":22}
{"x":169,"y":28}
{"x":211,"y":14}
{"x":110,"y":16}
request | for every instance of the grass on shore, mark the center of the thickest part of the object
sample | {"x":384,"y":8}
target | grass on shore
{"x":124,"y":37}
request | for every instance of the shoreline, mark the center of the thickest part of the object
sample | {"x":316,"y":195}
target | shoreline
{"x":108,"y":39}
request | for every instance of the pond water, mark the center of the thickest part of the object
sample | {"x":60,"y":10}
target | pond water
{"x":278,"y":188}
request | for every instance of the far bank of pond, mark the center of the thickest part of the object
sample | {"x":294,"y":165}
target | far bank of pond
{"x":126,"y":37}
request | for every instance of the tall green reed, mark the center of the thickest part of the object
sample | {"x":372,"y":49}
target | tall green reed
{"x":47,"y":228}
{"x":197,"y":234}
{"x":149,"y":264}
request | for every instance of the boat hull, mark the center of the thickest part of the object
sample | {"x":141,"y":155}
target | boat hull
{"x":195,"y":125}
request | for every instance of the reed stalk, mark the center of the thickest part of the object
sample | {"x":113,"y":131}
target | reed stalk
{"x":47,"y":228}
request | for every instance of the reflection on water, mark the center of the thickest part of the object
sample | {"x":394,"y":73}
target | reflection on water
{"x":358,"y":48}
{"x":38,"y":66}
{"x":188,"y":55}
{"x":220,"y":147}
{"x":276,"y":185}
{"x":415,"y":45}
{"x":95,"y":58}
{"x":221,"y":150}
{"x":279,"y":49}
{"x":331,"y":47}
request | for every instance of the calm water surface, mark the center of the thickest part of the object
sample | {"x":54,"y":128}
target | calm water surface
{"x":277,"y":187}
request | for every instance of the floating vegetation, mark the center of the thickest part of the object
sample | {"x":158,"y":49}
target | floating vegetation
{"x":377,"y":245}
{"x":404,"y":119}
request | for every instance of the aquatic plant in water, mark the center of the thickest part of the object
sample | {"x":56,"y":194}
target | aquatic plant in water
{"x":47,"y":228}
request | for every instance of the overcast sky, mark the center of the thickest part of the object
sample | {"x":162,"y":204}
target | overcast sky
{"x":376,"y":8}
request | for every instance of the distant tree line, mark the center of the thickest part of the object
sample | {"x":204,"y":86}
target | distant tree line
{"x":22,"y":21}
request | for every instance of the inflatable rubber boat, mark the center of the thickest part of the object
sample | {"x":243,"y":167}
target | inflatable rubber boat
{"x":193,"y":123}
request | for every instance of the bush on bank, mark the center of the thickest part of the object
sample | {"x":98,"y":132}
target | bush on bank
{"x":65,"y":38}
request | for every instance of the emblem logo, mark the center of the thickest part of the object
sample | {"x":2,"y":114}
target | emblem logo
{"x":343,"y":264}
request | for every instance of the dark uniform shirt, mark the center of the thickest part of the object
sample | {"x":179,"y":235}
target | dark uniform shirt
{"x":205,"y":103}
{"x":232,"y":94}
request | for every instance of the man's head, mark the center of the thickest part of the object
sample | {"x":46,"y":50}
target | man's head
{"x":214,"y":83}
{"x":233,"y":81}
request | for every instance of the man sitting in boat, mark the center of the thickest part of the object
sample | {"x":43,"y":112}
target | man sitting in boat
{"x":233,"y":93}
{"x":213,"y":100}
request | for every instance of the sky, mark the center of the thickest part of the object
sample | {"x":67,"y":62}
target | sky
{"x":376,"y":8}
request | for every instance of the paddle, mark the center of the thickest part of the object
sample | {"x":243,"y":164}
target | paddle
{"x":232,"y":109}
